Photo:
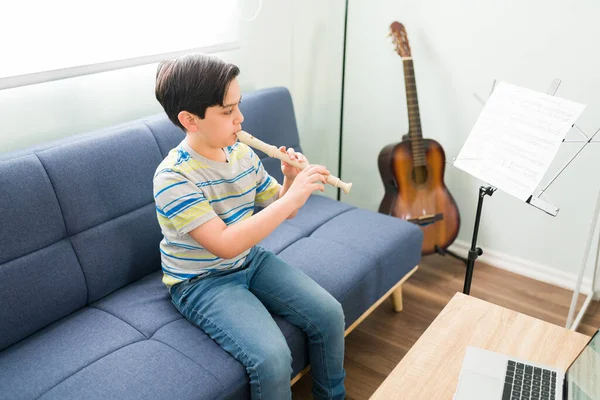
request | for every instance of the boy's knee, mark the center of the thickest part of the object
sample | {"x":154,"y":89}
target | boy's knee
{"x":276,"y":363}
{"x":334,"y":313}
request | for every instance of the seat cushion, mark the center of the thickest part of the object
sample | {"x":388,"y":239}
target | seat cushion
{"x":389,"y":241}
{"x":36,"y":364}
{"x":316,"y":211}
{"x":359,"y":266}
{"x":146,"y":306}
{"x":131,"y":344}
{"x":142,"y":370}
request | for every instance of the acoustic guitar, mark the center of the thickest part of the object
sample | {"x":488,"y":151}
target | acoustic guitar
{"x":413,"y":170}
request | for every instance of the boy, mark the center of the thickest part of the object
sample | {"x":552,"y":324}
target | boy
{"x":219,"y":279}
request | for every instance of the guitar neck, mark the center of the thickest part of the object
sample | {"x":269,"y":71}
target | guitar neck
{"x":414,"y":119}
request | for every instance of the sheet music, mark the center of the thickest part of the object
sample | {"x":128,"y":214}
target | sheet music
{"x":516,"y":137}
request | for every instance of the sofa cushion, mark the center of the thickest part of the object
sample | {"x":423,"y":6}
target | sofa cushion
{"x":35,"y":365}
{"x":119,"y":251}
{"x":359,"y":266}
{"x":29,"y":206}
{"x":334,"y":266}
{"x":231,"y":374}
{"x":316,"y":211}
{"x":387,"y":240}
{"x":38,"y":289}
{"x":104,"y":189}
{"x":146,"y":306}
{"x":103,"y":177}
{"x":284,"y":235}
{"x":188,"y":339}
{"x":40,"y":278}
{"x":167,"y":134}
{"x":142,"y":370}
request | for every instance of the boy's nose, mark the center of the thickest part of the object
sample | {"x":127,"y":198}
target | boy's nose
{"x":240,"y":118}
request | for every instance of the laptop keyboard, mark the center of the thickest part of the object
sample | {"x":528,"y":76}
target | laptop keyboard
{"x":526,"y":382}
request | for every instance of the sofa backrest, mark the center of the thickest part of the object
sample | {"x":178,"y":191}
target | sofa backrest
{"x":78,"y":219}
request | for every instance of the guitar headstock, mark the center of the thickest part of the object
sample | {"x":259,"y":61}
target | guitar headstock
{"x":400,"y":38}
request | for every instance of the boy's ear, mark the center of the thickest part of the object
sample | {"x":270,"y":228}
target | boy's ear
{"x":188,"y":120}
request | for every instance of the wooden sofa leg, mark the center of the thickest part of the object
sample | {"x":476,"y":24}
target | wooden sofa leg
{"x":397,"y":299}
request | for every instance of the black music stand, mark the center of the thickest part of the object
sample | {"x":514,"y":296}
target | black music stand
{"x":533,"y":200}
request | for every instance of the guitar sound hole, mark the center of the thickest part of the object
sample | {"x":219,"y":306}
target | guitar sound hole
{"x":420,"y":175}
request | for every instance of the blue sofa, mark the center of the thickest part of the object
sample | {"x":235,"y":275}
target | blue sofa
{"x":83,"y":312}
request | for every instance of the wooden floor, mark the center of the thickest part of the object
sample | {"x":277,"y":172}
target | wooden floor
{"x":375,"y":347}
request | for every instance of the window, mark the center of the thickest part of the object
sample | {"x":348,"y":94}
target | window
{"x":44,"y":40}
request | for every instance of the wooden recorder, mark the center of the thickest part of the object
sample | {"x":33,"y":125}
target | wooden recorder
{"x":274,"y":152}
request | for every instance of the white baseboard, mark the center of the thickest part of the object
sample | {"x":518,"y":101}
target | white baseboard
{"x":526,"y":268}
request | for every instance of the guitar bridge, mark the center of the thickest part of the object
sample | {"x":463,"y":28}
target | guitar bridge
{"x":426,"y":219}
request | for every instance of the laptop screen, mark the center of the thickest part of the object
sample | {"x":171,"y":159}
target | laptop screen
{"x":583,"y":376}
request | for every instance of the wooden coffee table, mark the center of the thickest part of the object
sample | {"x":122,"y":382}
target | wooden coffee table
{"x":431,"y":368}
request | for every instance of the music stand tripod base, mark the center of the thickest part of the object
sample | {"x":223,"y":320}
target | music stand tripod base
{"x":443,"y":252}
{"x":425,"y":220}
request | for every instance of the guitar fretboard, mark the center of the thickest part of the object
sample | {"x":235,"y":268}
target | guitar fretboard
{"x":414,"y":119}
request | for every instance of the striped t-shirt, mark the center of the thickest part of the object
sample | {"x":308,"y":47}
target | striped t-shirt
{"x":190,"y":189}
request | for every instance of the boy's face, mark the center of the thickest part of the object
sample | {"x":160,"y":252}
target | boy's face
{"x":220,"y":123}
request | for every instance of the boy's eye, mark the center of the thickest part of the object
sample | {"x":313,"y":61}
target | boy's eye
{"x":228,"y":112}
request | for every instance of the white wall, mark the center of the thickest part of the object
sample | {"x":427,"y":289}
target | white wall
{"x":459,"y":48}
{"x":286,"y":45}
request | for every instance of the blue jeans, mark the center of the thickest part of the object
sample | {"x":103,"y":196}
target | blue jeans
{"x":232,"y":307}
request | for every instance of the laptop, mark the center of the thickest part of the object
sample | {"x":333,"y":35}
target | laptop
{"x":494,"y":376}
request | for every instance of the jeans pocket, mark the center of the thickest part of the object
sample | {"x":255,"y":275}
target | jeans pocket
{"x":179,"y":290}
{"x":176,"y":292}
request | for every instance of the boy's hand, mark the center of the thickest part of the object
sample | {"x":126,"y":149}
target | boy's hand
{"x":307,"y":181}
{"x":288,"y":170}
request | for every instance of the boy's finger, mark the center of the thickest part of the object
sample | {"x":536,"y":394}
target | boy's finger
{"x":322,"y":178}
{"x":319,"y":168}
{"x":317,"y":177}
{"x":318,"y":186}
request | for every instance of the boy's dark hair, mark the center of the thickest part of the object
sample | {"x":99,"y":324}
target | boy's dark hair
{"x":192,"y":83}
